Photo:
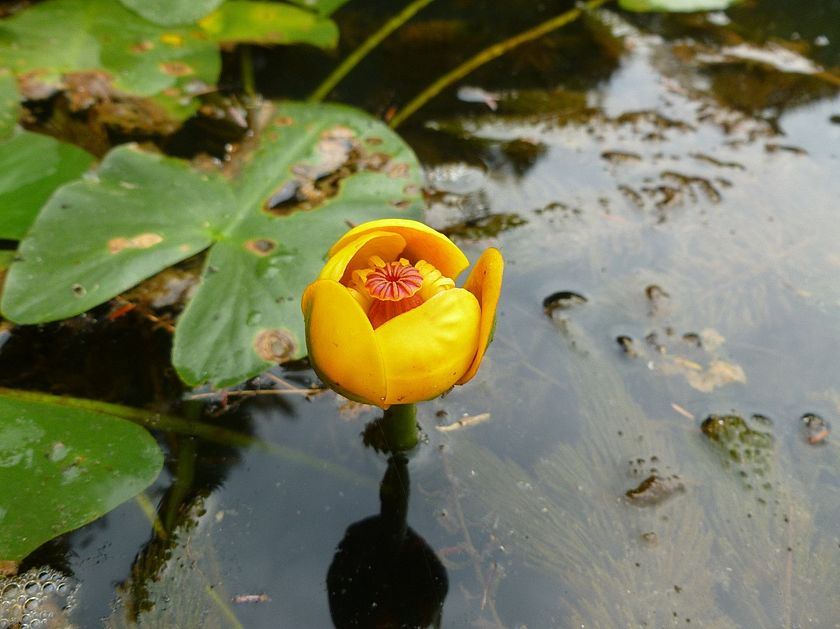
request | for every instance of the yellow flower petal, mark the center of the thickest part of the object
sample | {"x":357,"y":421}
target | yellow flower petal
{"x":485,"y":282}
{"x":426,"y":350}
{"x":342,"y":347}
{"x":354,"y":255}
{"x":422,"y":243}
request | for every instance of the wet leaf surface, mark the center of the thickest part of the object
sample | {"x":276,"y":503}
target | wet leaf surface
{"x":9,"y":105}
{"x":32,"y":167}
{"x":245,"y":315}
{"x":171,"y":13}
{"x":67,"y":467}
{"x":142,"y":58}
{"x":267,"y":23}
{"x":698,"y":220}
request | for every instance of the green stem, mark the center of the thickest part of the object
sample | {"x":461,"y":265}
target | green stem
{"x":227,"y":612}
{"x":246,"y":69}
{"x":399,"y":425}
{"x":488,"y":54}
{"x":353,"y":59}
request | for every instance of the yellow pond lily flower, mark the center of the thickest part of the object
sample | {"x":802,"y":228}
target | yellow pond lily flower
{"x":385,"y":323}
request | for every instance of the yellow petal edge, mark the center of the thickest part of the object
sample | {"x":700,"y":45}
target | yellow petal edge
{"x":425,"y":350}
{"x":354,"y":255}
{"x":342,"y":347}
{"x":485,"y":282}
{"x":422,"y":243}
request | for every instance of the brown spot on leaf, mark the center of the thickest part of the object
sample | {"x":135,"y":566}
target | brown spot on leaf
{"x":374,"y":141}
{"x":260,"y":246}
{"x":338,"y":132}
{"x":397,"y":170}
{"x":176,"y":68}
{"x":274,"y":345}
{"x":340,"y":153}
{"x":8,"y":568}
{"x":283,"y":121}
{"x":142,"y":46}
{"x":141,"y":241}
{"x":401,"y":204}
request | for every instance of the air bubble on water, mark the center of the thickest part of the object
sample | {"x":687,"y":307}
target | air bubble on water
{"x":40,"y":597}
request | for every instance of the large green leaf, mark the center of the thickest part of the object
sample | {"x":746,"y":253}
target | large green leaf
{"x":144,"y":59}
{"x":32,"y":166}
{"x":6,"y":258}
{"x":675,"y":6}
{"x":9,"y":103}
{"x":172,"y":12}
{"x":268,"y":23}
{"x":99,"y":236}
{"x":62,"y":467}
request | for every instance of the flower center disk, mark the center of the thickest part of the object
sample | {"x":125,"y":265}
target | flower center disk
{"x":394,"y":289}
{"x":393,"y":282}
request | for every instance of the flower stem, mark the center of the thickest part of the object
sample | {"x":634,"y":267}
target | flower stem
{"x":399,"y":425}
{"x":353,"y":59}
{"x":488,"y":54}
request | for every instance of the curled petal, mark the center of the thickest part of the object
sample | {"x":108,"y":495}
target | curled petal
{"x":355,"y":253}
{"x":342,"y":347}
{"x":427,"y":349}
{"x":422,"y":243}
{"x":485,"y":282}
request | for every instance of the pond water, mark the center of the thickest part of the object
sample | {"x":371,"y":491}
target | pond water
{"x":648,"y":442}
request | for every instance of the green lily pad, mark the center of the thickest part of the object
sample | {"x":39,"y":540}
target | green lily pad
{"x":313,"y":171}
{"x":238,"y":21}
{"x":675,"y":6}
{"x":143,"y":59}
{"x":63,"y":467}
{"x":323,"y":7}
{"x":9,"y":103}
{"x":172,"y":12}
{"x":32,"y":166}
{"x":6,"y":258}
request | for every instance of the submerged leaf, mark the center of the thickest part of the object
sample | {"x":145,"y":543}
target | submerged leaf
{"x":63,"y":467}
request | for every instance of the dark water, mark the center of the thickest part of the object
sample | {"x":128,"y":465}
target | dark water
{"x":677,"y":172}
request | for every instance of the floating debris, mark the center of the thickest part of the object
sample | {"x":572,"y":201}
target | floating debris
{"x":816,"y":428}
{"x":562,"y":300}
{"x":737,"y":440}
{"x":470,"y":94}
{"x":241,"y":599}
{"x":626,"y":344}
{"x":465,"y":422}
{"x":655,"y":490}
{"x":682,"y":411}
